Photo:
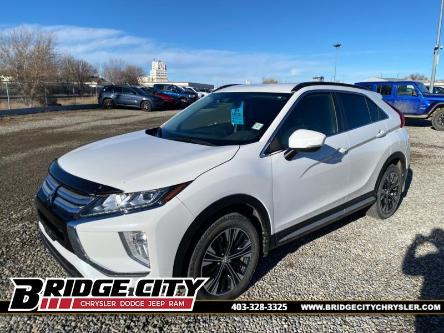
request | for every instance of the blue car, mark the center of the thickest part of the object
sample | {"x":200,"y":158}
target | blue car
{"x":411,"y":98}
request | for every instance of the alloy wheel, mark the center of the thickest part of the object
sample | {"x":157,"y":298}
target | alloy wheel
{"x":226,"y":260}
{"x":441,"y":119}
{"x":108,"y":104}
{"x":390,"y":193}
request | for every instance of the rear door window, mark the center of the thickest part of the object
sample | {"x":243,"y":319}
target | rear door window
{"x":384,"y":89}
{"x":355,"y":110}
{"x":127,"y":91}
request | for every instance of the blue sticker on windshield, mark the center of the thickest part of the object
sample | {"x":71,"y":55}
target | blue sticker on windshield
{"x":237,"y":115}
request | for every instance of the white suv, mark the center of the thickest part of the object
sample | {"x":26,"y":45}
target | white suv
{"x":234,"y":175}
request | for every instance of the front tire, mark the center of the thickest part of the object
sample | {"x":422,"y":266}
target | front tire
{"x":108,"y":104}
{"x":184,"y":102}
{"x":388,"y":194}
{"x":438,"y":120}
{"x":227,"y":253}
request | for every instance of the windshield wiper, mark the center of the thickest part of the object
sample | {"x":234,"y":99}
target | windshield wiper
{"x":191,"y":140}
{"x":156,"y":131}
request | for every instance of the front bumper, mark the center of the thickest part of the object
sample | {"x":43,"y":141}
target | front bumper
{"x":98,"y":252}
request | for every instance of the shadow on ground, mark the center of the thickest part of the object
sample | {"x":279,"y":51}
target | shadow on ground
{"x":430,"y":267}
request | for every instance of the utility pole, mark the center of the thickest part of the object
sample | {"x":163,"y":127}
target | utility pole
{"x":7,"y":93}
{"x":337,"y":46}
{"x":436,"y":50}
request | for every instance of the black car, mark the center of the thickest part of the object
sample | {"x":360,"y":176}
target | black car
{"x":127,"y":96}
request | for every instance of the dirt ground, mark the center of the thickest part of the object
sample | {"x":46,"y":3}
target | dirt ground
{"x":358,"y":258}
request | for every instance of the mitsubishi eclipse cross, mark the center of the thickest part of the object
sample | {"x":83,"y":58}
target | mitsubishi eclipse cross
{"x":218,"y":186}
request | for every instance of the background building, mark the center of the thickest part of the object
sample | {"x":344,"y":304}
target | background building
{"x":159,"y":74}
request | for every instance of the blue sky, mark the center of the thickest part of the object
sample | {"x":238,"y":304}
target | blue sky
{"x":233,"y":41}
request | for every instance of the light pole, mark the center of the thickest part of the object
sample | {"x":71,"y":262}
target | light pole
{"x":337,"y":46}
{"x":436,"y":50}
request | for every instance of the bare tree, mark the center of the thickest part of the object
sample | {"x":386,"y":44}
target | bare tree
{"x":28,"y":57}
{"x":117,"y":72}
{"x":113,"y":71}
{"x":417,"y":77}
{"x":75,"y":71}
{"x":269,"y":80}
{"x":132,"y":73}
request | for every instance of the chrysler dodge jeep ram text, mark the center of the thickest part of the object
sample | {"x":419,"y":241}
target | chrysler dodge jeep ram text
{"x":236,"y":174}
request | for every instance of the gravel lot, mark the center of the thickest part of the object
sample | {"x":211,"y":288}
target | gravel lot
{"x":358,"y":258}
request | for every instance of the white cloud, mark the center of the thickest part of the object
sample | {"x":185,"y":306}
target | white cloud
{"x":98,"y":45}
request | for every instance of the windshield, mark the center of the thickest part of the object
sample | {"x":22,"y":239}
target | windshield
{"x":422,"y":88}
{"x":225,"y":118}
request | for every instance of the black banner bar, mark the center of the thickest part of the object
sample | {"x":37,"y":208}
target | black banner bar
{"x":291,"y":307}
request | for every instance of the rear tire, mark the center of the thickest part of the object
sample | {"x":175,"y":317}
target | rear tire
{"x":438,"y":120}
{"x":388,"y":194}
{"x":146,"y":106}
{"x":108,"y":103}
{"x":227,"y":253}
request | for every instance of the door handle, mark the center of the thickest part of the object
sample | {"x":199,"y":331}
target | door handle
{"x":342,"y":150}
{"x":381,"y":134}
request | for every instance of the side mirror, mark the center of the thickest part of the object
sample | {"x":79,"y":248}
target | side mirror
{"x":304,"y":141}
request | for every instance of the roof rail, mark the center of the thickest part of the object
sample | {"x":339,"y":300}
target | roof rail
{"x":226,"y":86}
{"x":320,"y":83}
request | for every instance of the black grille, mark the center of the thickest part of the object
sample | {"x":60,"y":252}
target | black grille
{"x":62,"y":198}
{"x":56,"y":206}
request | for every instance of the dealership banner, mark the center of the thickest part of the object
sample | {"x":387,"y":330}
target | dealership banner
{"x":175,"y":295}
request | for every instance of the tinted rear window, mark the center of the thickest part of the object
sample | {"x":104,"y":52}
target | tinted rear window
{"x":355,"y":110}
{"x":376,"y":113}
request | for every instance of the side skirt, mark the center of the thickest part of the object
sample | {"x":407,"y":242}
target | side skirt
{"x":303,"y":228}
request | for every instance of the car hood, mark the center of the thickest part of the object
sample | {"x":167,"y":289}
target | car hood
{"x":138,"y":161}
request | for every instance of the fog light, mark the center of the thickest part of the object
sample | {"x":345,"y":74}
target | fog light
{"x":135,"y":243}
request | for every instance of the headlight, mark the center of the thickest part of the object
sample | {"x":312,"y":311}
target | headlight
{"x":129,"y":202}
{"x":136,"y":246}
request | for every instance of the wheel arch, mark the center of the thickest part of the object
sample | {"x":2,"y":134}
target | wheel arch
{"x":398,"y":158}
{"x":434,"y":107}
{"x":145,"y":100}
{"x":241,"y":203}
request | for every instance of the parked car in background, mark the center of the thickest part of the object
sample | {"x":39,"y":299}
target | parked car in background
{"x":437,"y":90}
{"x":171,"y":102}
{"x":185,"y":97}
{"x":412,"y":98}
{"x":199,"y":93}
{"x":127,"y":96}
{"x":219,"y":185}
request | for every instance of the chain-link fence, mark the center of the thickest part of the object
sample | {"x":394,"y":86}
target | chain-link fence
{"x":14,"y":95}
